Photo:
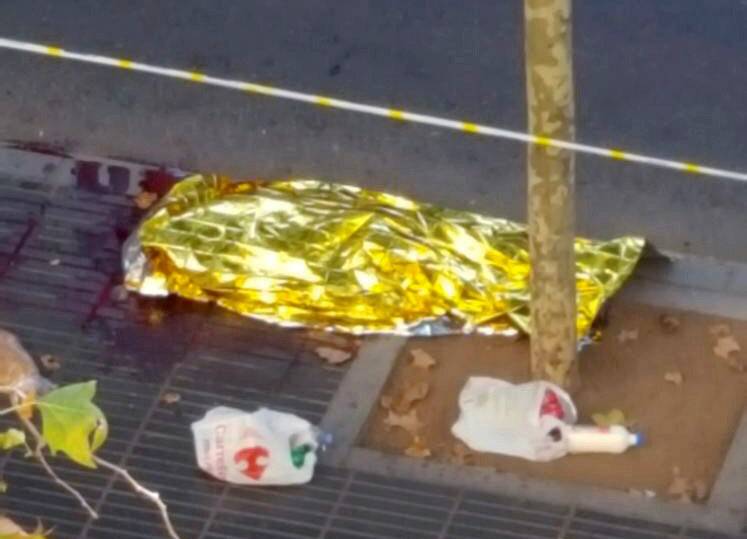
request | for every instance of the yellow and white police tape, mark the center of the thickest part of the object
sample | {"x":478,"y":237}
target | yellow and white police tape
{"x":394,"y":114}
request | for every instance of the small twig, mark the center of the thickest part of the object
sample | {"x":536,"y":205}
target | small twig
{"x":40,"y":445}
{"x":140,"y":489}
{"x":15,"y":408}
{"x":12,"y":391}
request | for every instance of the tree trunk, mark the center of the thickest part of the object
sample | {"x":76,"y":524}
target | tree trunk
{"x":550,"y":170}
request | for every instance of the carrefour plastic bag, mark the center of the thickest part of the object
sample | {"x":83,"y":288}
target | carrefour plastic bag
{"x":256,"y":448}
{"x":524,"y":420}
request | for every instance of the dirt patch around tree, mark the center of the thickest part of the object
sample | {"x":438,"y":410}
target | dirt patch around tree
{"x":635,"y":367}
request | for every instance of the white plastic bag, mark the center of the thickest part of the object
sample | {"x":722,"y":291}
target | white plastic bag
{"x":524,"y":420}
{"x":259,"y":448}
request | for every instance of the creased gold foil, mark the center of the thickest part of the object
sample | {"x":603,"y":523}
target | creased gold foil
{"x":310,"y":253}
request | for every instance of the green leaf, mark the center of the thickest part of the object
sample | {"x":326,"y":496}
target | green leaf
{"x":12,"y":438}
{"x":24,"y":535}
{"x":71,"y":423}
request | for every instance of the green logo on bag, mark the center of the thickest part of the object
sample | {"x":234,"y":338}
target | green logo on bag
{"x":298,"y":454}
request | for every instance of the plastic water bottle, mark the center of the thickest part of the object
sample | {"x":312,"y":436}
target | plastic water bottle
{"x":323,"y":439}
{"x":589,"y":439}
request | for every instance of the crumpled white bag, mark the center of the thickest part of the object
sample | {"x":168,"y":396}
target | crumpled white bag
{"x":258,"y":448}
{"x":524,"y":420}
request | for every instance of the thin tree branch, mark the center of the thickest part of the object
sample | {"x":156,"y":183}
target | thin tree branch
{"x":12,"y":391}
{"x":39,"y":455}
{"x":148,"y":494}
{"x":15,"y":408}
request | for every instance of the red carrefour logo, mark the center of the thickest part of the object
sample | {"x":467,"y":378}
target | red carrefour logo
{"x":551,"y":405}
{"x":251,"y":455}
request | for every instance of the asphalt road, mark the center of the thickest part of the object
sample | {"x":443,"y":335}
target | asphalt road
{"x":665,"y":77}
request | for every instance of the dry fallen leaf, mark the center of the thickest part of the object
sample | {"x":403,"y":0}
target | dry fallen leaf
{"x":700,"y":490}
{"x":461,"y":455}
{"x":145,"y":199}
{"x":411,"y":395}
{"x":626,"y":335}
{"x":408,"y":422}
{"x":680,"y":488}
{"x":686,"y":490}
{"x":720,"y":330}
{"x":613,"y":417}
{"x":386,"y":402}
{"x":50,"y":362}
{"x":669,"y":323}
{"x":170,"y":397}
{"x":333,"y":355}
{"x":725,"y":346}
{"x":333,"y":340}
{"x":422,"y":359}
{"x":674,"y":377}
{"x":418,"y":449}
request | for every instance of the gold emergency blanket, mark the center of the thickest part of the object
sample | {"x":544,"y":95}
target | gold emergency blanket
{"x":310,"y":253}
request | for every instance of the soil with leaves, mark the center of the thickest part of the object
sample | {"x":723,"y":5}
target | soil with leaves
{"x":402,"y":410}
{"x":71,"y":426}
{"x":651,"y":373}
{"x":402,"y":407}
